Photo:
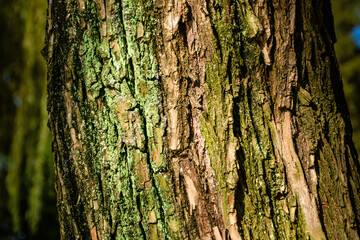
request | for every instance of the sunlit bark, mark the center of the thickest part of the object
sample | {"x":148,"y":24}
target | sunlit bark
{"x":199,"y":119}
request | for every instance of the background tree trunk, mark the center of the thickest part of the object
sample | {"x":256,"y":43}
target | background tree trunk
{"x":27,"y":205}
{"x":201,"y":119}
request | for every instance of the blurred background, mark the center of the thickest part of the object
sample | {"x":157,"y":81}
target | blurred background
{"x":347,"y":28}
{"x":27,"y":196}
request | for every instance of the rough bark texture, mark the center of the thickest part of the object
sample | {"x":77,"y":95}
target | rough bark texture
{"x":199,"y":119}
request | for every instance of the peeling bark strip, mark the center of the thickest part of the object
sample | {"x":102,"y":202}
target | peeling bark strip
{"x":199,"y":119}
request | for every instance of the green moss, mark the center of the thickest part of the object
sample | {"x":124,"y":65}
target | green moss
{"x":122,"y":127}
{"x":251,"y":25}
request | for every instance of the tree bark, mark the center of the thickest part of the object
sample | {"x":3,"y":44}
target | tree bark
{"x":199,"y":119}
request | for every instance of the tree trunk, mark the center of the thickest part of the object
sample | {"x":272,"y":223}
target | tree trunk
{"x":196,"y":119}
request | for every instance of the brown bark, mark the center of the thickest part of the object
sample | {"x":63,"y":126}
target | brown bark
{"x":200,"y":119}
